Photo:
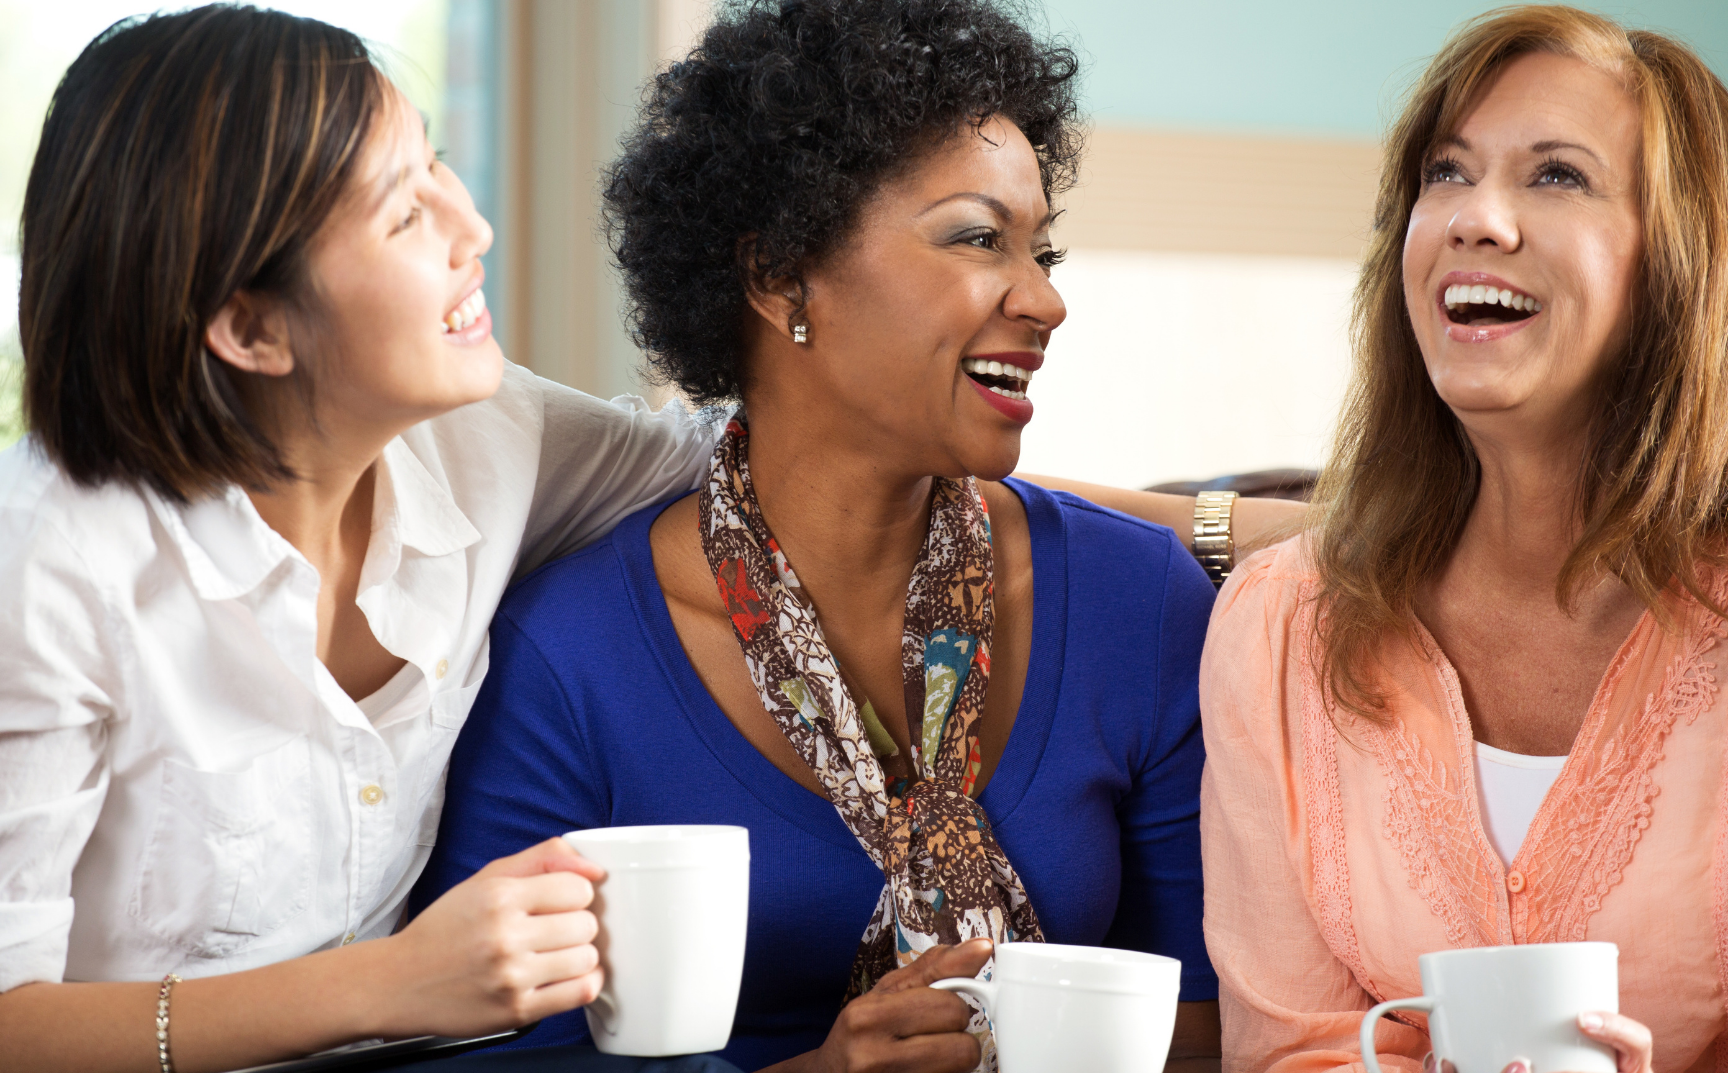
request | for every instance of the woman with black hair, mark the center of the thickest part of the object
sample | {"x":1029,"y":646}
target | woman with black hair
{"x":951,"y":709}
{"x":278,"y":477}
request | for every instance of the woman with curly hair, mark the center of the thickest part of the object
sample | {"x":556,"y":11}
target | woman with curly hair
{"x":949,"y":707}
{"x":1479,"y":704}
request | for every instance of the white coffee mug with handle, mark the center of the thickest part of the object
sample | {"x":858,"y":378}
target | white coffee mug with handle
{"x":1056,"y":1009}
{"x":673,"y":910}
{"x":1491,"y":1005}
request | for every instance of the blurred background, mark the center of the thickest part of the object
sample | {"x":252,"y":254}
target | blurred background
{"x":1213,"y":240}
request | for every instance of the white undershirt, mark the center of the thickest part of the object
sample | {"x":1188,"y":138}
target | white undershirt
{"x":1511,"y":787}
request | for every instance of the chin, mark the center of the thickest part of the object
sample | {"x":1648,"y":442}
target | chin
{"x":480,"y":375}
{"x":1480,"y":391}
{"x":995,"y":461}
{"x":1478,"y":376}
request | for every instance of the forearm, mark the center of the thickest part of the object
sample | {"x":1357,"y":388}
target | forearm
{"x":1255,"y":523}
{"x":1160,"y":508}
{"x":216,"y":1023}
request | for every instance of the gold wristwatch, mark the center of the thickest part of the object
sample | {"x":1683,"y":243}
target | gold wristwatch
{"x":1213,"y":545}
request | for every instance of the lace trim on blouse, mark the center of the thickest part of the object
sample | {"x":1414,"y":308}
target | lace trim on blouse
{"x":1574,"y":853}
{"x":1325,"y":805}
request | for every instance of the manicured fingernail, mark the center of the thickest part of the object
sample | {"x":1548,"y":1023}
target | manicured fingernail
{"x":1519,"y":1065}
{"x":1590,"y":1022}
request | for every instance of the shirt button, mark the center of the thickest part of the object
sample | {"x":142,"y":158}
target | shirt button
{"x":442,"y":669}
{"x":371,"y":794}
{"x":1515,"y":882}
{"x":346,"y":939}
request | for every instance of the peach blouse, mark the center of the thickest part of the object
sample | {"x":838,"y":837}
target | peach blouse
{"x":1334,"y":857}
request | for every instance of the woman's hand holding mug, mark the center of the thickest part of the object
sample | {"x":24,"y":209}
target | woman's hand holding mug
{"x":1630,"y":1039}
{"x":902,"y":1025}
{"x":1520,"y":1005}
{"x":511,"y":944}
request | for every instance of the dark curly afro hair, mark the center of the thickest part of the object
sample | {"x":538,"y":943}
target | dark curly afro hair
{"x":780,"y":124}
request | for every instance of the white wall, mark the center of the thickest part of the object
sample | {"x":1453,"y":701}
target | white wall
{"x":1179,"y":366}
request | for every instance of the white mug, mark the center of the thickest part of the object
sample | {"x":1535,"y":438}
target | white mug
{"x":1490,"y":1005}
{"x":1056,"y":1009}
{"x":673,"y":910}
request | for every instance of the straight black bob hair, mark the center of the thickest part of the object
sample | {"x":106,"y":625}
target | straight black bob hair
{"x":185,"y":158}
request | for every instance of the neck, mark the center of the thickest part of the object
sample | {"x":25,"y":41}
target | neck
{"x":331,"y":500}
{"x":841,"y":515}
{"x":1525,"y":520}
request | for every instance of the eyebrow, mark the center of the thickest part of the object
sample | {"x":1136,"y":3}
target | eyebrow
{"x":390,"y":186}
{"x":995,"y":205}
{"x":1540,"y":147}
{"x":1550,"y":146}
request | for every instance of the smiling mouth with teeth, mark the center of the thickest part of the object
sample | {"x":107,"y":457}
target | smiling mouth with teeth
{"x":1482,"y":306}
{"x":1009,"y":381}
{"x":465,"y":314}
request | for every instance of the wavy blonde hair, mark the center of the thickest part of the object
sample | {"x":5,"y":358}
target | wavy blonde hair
{"x":1652,"y":492}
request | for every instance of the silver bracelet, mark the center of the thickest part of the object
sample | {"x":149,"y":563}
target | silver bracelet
{"x":1214,"y":545}
{"x":162,"y":996}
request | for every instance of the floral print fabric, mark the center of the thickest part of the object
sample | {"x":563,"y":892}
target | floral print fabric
{"x":947,"y":880}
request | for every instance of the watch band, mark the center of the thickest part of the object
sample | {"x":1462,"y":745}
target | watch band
{"x":1213,"y":544}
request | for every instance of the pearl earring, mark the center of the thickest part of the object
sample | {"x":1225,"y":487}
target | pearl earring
{"x":800,"y":333}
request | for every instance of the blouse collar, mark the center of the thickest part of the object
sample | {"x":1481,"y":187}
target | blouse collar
{"x":229,"y":549}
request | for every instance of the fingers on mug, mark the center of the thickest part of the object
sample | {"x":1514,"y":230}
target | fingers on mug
{"x":1489,"y":1006}
{"x":673,"y":914}
{"x":1055,"y":1007}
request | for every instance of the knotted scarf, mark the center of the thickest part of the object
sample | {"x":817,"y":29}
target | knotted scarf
{"x":947,"y":880}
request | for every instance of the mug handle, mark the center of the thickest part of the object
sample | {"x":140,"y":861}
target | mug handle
{"x":1370,"y":1058}
{"x":982,"y":990}
{"x":604,"y":1011}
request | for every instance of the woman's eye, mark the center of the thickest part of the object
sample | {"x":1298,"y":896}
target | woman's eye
{"x":984,"y":240}
{"x":1051,"y":258}
{"x":1443,"y":171}
{"x":1559,"y":173}
{"x":407,"y":221}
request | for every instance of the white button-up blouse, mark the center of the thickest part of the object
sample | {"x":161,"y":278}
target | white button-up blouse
{"x":183,"y":786}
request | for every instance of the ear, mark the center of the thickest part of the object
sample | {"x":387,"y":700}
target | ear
{"x":782,"y":301}
{"x":250,"y":332}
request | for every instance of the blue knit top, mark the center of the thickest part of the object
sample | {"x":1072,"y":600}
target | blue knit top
{"x":591,"y":715}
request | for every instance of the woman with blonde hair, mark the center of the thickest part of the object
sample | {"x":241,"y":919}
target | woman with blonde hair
{"x":1476,"y":704}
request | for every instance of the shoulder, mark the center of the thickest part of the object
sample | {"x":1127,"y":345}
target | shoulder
{"x":1257,"y":667}
{"x":511,"y":428}
{"x":1112,"y":551}
{"x":73,"y":563}
{"x":546,"y":408}
{"x":1269,"y":588}
{"x":1088,"y":525}
{"x":520,"y":404}
{"x":49,"y":521}
{"x":591,"y":590}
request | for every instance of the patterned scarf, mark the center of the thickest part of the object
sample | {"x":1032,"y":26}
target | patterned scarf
{"x":947,"y":879}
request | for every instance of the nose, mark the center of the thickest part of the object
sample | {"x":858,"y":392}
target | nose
{"x":1487,"y":220}
{"x":470,"y":234}
{"x":1033,"y":300}
{"x":473,"y":237}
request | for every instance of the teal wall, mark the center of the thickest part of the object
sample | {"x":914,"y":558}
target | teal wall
{"x":1328,"y":67}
